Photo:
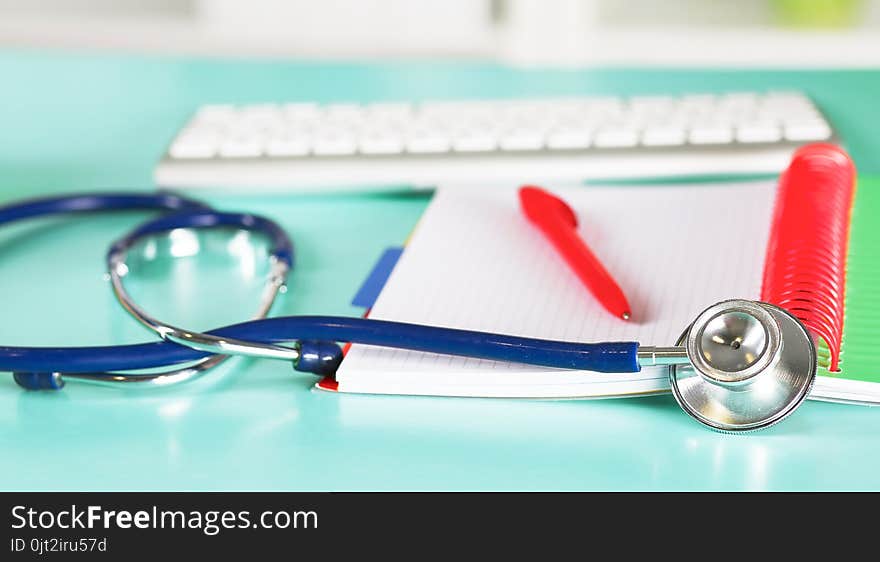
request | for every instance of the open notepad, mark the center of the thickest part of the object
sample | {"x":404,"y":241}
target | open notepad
{"x":475,"y":262}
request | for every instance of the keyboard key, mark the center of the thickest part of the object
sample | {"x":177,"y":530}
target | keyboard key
{"x":569,"y":139}
{"x":289,"y":145}
{"x":384,"y":113}
{"x":330,"y":144}
{"x":194,"y":146}
{"x":343,"y":113}
{"x":649,"y":109}
{"x":256,"y":120}
{"x":697,"y":102}
{"x":616,"y":138}
{"x":736,"y":107}
{"x":711,"y":135}
{"x":428,"y":143}
{"x":474,"y":142}
{"x":664,"y":136}
{"x":758,"y":131}
{"x":241,"y":147}
{"x":521,"y":139}
{"x":380,"y":143}
{"x":816,"y":130}
{"x":603,"y":107}
{"x":737,"y":99}
{"x":300,"y":112}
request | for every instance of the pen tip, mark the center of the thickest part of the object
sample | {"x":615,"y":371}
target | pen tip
{"x":625,"y":315}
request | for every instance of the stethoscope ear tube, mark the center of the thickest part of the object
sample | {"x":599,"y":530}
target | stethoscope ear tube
{"x":281,"y":247}
{"x":97,"y":202}
{"x":221,"y":347}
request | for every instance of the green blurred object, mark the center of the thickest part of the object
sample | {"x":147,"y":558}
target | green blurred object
{"x":817,"y":13}
{"x":860,"y":327}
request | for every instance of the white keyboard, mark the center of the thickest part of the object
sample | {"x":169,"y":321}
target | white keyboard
{"x":304,"y":146}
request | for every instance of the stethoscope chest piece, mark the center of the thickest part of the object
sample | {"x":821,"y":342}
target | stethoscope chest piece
{"x":751,"y":365}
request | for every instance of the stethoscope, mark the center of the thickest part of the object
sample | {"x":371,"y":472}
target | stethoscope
{"x":741,"y":365}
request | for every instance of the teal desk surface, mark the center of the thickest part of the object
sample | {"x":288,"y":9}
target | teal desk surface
{"x":85,"y":122}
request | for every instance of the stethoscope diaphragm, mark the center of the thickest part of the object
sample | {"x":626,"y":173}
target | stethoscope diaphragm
{"x":751,"y":365}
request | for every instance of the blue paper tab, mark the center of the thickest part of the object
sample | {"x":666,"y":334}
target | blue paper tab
{"x":373,"y":284}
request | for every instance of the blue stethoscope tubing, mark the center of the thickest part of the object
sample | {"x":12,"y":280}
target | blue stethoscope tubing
{"x":317,"y":335}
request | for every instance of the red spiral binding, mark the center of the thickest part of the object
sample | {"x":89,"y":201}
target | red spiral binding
{"x":805,"y":265}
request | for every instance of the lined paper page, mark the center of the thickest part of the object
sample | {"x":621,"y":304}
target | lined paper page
{"x":475,"y":262}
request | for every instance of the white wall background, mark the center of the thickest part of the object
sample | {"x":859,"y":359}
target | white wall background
{"x":528,"y":32}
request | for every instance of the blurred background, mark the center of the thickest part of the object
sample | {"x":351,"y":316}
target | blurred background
{"x":803,"y":33}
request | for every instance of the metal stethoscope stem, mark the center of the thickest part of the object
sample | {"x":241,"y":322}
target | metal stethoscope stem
{"x":651,"y":356}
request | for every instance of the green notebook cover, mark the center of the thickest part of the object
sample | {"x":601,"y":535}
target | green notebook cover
{"x":861,"y":325}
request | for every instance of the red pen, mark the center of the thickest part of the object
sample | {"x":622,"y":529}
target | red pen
{"x":559,"y":224}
